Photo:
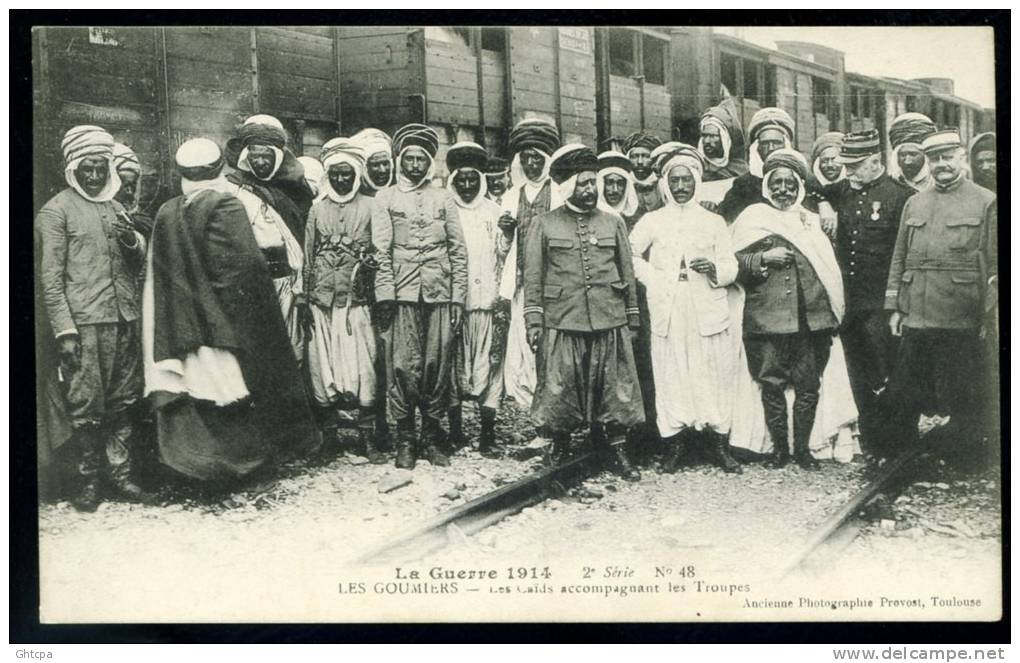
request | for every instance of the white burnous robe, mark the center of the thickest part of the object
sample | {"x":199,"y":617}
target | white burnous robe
{"x":832,"y":436}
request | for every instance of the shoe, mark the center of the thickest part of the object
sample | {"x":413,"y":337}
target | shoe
{"x":623,"y":465}
{"x":405,"y":445}
{"x":432,"y":434}
{"x":366,"y":437}
{"x":677,"y":454}
{"x":780,"y":457}
{"x":120,"y":478}
{"x":487,"y":441}
{"x":88,"y":500}
{"x":720,"y":450}
{"x":455,"y":440}
{"x":807,"y":462}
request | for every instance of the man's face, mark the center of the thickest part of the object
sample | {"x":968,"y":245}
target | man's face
{"x":262,"y":160}
{"x":614,"y":188}
{"x":414,"y":164}
{"x":496,"y":184}
{"x":128,"y":187}
{"x":711,"y":141}
{"x":641,"y":157}
{"x":341,"y":178}
{"x":828,"y":165}
{"x":379,"y":168}
{"x":532,"y":163}
{"x":784,"y":187}
{"x":586,"y":193}
{"x":910,"y":159}
{"x":864,"y":171}
{"x":92,"y":174}
{"x":984,"y":164}
{"x":770,"y":140}
{"x":467,"y":183}
{"x":681,"y":184}
{"x":946,"y":165}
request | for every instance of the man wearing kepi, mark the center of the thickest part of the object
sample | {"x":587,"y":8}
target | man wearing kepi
{"x":225,"y":386}
{"x":794,"y":302}
{"x":338,"y":278}
{"x":908,"y":165}
{"x":478,"y":368}
{"x":682,"y":254}
{"x":580,"y":296}
{"x":531,"y":143}
{"x":420,"y":289}
{"x":869,"y":204}
{"x":377,"y":147}
{"x":90,"y":258}
{"x":942,"y":283}
{"x":638,"y":147}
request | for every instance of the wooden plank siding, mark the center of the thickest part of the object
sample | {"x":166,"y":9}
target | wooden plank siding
{"x":377,"y":74}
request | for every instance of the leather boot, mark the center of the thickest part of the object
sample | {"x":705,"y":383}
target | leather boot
{"x":406,"y":439}
{"x":803,"y":421}
{"x":455,"y":441}
{"x":720,"y":450}
{"x":621,"y":460}
{"x":366,"y":439}
{"x":432,"y":434}
{"x":677,"y":453}
{"x":89,"y":462}
{"x":487,"y":442}
{"x":120,"y":478}
{"x":773,"y":402}
{"x":558,"y":450}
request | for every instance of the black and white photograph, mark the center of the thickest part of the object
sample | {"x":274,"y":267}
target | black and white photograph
{"x":504,"y":323}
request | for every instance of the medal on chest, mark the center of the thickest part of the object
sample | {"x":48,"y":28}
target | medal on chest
{"x":593,"y":241}
{"x":876,"y":208}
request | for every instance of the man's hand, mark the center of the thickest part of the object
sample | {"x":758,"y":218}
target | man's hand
{"x":507,"y":223}
{"x":780,"y":256}
{"x":710,"y":206}
{"x":383,"y":313}
{"x":828,"y":222}
{"x":304,"y":312}
{"x":703,"y":266}
{"x":534,"y":336}
{"x":70,"y":353}
{"x":125,"y":230}
{"x":456,"y":316}
{"x":896,"y":323}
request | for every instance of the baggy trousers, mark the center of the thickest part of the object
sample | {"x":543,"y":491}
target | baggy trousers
{"x":419,"y":358}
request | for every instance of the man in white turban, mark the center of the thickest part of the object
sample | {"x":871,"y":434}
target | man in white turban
{"x":90,"y":256}
{"x":377,"y":147}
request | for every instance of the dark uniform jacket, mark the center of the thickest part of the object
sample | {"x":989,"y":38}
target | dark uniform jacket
{"x":782,"y":300}
{"x":946,"y":258}
{"x":420,"y":247}
{"x":578,"y":272}
{"x":87,"y":276}
{"x":869,"y":218}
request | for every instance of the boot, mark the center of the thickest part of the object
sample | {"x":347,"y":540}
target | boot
{"x":621,"y":461}
{"x":487,"y":443}
{"x":406,"y":438}
{"x":120,"y":478}
{"x":432,"y":433}
{"x":366,"y":438}
{"x":89,"y":498}
{"x":721,"y":452}
{"x":803,"y":421}
{"x":677,"y":454}
{"x":455,"y":441}
{"x":773,"y":401}
{"x":557,"y":452}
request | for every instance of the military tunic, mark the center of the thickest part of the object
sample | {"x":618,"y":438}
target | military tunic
{"x":579,"y":286}
{"x":942,"y":281}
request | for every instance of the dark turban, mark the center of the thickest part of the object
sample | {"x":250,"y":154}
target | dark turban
{"x":640,"y":139}
{"x":910,"y":128}
{"x":787,"y":158}
{"x":496,"y":166}
{"x":541,"y":135}
{"x":416,"y":135}
{"x":466,"y":155}
{"x":613,"y":159}
{"x":253,"y":134}
{"x":572,"y":160}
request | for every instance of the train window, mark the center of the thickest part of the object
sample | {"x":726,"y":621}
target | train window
{"x":494,"y":39}
{"x":770,"y":86}
{"x":866,"y":105}
{"x":654,"y":59}
{"x":728,"y":73}
{"x":752,"y":80}
{"x":912,"y":104}
{"x":855,"y":101}
{"x":821,"y":91}
{"x":621,"y":53}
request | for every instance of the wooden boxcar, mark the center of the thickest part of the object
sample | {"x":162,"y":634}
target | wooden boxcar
{"x":154,"y":88}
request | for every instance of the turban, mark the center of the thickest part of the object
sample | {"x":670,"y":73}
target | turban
{"x":613,"y":159}
{"x":416,"y":135}
{"x":662,"y":153}
{"x":615,"y":163}
{"x":124,"y":158}
{"x":313,"y":173}
{"x":787,"y":158}
{"x":256,"y":130}
{"x":640,"y":139}
{"x":541,"y":135}
{"x":199,"y":159}
{"x":770,"y":117}
{"x":337,"y":151}
{"x":466,"y":154}
{"x":89,"y":141}
{"x":372,"y":141}
{"x":938,"y":141}
{"x":267,"y":120}
{"x":496,"y":166}
{"x":86,"y":141}
{"x":689,"y":157}
{"x":859,"y":145}
{"x":909,"y":128}
{"x":570,"y":160}
{"x":824,"y":142}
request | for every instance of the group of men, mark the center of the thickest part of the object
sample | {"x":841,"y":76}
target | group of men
{"x":658,"y":289}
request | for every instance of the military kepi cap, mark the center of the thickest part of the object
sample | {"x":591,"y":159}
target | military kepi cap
{"x":858,"y":146}
{"x":945,"y":139}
